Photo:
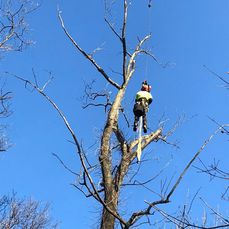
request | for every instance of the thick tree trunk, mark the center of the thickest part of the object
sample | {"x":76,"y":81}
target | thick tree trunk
{"x":111,"y":193}
{"x":108,"y":220}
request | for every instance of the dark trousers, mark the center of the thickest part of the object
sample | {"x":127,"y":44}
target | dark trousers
{"x":140,"y":109}
{"x":144,"y":119}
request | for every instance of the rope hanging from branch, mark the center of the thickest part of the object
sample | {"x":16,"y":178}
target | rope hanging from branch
{"x":139,"y":149}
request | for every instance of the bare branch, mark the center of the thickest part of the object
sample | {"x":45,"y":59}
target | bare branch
{"x":136,"y":182}
{"x":147,"y":139}
{"x":225,"y":195}
{"x":190,"y":163}
{"x":225,"y":221}
{"x":64,"y":165}
{"x":112,"y":28}
{"x":218,"y":76}
{"x":220,"y":125}
{"x":131,"y":64}
{"x":213,"y":170}
{"x":151,"y":55}
{"x":177,"y":221}
{"x":93,"y":96}
{"x":87,"y":56}
{"x":123,"y":39}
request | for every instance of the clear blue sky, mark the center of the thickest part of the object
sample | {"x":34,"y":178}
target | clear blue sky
{"x":186,"y":34}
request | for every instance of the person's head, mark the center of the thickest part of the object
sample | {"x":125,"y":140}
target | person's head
{"x":145,"y":86}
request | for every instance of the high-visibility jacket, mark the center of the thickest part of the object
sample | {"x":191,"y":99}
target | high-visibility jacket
{"x":144,"y":95}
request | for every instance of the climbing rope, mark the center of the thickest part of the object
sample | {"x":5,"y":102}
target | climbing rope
{"x":139,"y":149}
{"x":148,"y":29}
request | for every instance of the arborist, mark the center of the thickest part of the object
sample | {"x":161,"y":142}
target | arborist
{"x":142,"y":100}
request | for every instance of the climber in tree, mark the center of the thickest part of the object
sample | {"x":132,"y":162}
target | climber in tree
{"x":141,"y":106}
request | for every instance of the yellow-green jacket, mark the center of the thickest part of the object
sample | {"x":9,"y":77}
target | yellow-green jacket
{"x":144,"y":94}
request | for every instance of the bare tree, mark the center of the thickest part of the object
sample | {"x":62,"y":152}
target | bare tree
{"x":24,"y":213}
{"x":115,"y":170}
{"x":14,"y":33}
{"x":13,"y":26}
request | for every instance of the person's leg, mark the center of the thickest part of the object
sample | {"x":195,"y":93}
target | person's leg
{"x":136,"y":119}
{"x":144,"y":123}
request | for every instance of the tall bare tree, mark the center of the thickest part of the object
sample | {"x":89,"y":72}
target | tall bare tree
{"x":114,"y":171}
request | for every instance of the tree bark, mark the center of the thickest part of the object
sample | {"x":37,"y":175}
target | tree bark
{"x":108,"y":220}
{"x":111,"y":191}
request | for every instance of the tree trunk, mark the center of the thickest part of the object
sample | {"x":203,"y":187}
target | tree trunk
{"x":108,"y":220}
{"x":111,"y":193}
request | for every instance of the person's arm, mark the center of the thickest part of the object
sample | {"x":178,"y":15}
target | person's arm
{"x":137,"y":97}
{"x":150,"y":98}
